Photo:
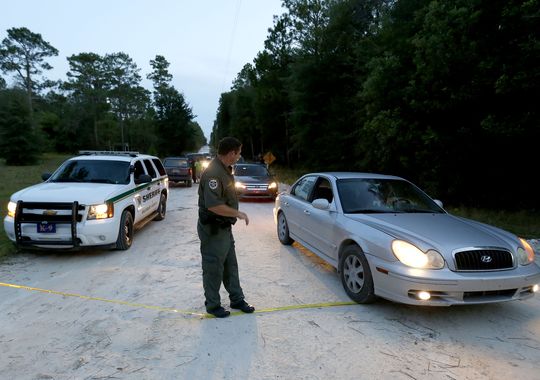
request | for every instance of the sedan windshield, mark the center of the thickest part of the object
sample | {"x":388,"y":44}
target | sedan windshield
{"x":251,"y":170}
{"x":97,"y":171}
{"x":370,"y":195}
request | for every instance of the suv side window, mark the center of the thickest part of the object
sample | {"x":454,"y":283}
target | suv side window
{"x":139,"y":170}
{"x":150,"y":169}
{"x":159,"y":166}
{"x":302,"y":189}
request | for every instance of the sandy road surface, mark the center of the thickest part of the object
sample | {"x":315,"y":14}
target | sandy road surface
{"x":53,"y":336}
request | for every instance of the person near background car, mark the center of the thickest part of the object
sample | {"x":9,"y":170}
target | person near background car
{"x":218,"y":211}
{"x":193,"y":169}
{"x":198,"y":168}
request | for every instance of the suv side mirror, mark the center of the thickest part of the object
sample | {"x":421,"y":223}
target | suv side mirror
{"x":143,"y":178}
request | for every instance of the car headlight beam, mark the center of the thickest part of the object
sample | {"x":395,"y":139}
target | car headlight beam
{"x":101,"y":211}
{"x":413,"y":257}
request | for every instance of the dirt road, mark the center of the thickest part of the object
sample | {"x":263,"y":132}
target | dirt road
{"x":134,"y":315}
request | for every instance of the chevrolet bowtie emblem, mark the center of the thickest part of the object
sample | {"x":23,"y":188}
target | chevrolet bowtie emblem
{"x":49,"y":212}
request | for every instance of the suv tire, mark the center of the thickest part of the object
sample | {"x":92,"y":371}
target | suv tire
{"x":125,"y":232}
{"x":162,"y":208}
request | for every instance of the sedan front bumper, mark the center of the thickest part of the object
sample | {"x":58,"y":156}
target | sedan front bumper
{"x":399,"y":283}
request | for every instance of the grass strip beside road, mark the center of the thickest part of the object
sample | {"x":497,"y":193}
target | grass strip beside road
{"x":15,"y":178}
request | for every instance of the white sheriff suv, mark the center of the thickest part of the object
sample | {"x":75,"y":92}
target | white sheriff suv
{"x":94,"y":199}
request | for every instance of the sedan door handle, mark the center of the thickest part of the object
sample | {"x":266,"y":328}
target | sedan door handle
{"x":307,"y":212}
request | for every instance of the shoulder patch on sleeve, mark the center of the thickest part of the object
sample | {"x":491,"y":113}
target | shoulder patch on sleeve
{"x":213,"y":183}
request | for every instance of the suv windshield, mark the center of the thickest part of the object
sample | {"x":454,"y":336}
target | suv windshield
{"x":96,"y":171}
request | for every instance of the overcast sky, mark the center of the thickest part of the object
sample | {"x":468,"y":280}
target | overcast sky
{"x":207,"y":42}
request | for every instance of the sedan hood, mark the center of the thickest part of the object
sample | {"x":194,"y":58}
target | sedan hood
{"x":84,"y":193}
{"x":443,"y":232}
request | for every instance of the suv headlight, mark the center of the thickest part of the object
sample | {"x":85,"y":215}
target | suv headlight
{"x":101,"y":211}
{"x":239,"y":185}
{"x":12,"y":208}
{"x":413,"y":257}
{"x":272,"y":185}
{"x":525,"y":254}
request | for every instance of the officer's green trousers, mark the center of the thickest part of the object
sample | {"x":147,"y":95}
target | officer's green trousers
{"x":218,"y":264}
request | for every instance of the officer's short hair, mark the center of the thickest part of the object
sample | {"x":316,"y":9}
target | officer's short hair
{"x":228,"y":144}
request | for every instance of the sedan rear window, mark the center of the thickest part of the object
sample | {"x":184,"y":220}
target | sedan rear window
{"x":175,"y":162}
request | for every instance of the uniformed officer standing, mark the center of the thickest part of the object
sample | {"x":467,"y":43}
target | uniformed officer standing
{"x":218,"y":211}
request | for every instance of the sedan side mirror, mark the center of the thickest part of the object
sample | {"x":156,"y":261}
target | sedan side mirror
{"x":439,"y":203}
{"x":321,"y":204}
{"x":143,"y":178}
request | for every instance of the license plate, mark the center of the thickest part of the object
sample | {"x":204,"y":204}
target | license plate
{"x":46,"y":228}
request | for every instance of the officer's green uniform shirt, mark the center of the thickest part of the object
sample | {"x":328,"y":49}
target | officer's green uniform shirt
{"x":217,"y":187}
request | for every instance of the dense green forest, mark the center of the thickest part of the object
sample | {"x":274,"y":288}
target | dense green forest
{"x":444,"y":93}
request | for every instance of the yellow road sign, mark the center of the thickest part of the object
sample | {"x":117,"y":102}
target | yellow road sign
{"x":269,"y":158}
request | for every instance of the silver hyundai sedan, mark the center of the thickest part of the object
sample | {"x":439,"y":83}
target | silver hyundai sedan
{"x":387,"y":238}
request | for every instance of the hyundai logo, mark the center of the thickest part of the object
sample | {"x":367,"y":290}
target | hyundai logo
{"x":486,"y":258}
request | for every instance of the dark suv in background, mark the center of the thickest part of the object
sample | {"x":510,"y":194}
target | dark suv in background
{"x":179,"y":170}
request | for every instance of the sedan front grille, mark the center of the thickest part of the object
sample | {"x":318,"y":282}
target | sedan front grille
{"x":483,"y":260}
{"x":255,"y":187}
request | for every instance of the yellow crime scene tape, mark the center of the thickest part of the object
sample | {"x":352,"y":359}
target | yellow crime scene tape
{"x":173,"y":310}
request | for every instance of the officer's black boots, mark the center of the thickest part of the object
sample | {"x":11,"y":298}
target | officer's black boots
{"x":219,"y":312}
{"x":243,"y":306}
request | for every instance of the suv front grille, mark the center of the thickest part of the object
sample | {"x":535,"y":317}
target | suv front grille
{"x":35,"y":212}
{"x":483,"y":260}
{"x":50,"y":212}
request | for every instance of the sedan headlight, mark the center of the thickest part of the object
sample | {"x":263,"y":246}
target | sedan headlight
{"x":239,"y":185}
{"x":12,"y":208}
{"x":101,"y":211}
{"x":525,"y":254}
{"x":272,"y":185}
{"x":413,"y":257}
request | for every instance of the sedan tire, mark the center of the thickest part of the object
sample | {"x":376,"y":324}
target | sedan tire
{"x":283,"y":230}
{"x":356,"y":275}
